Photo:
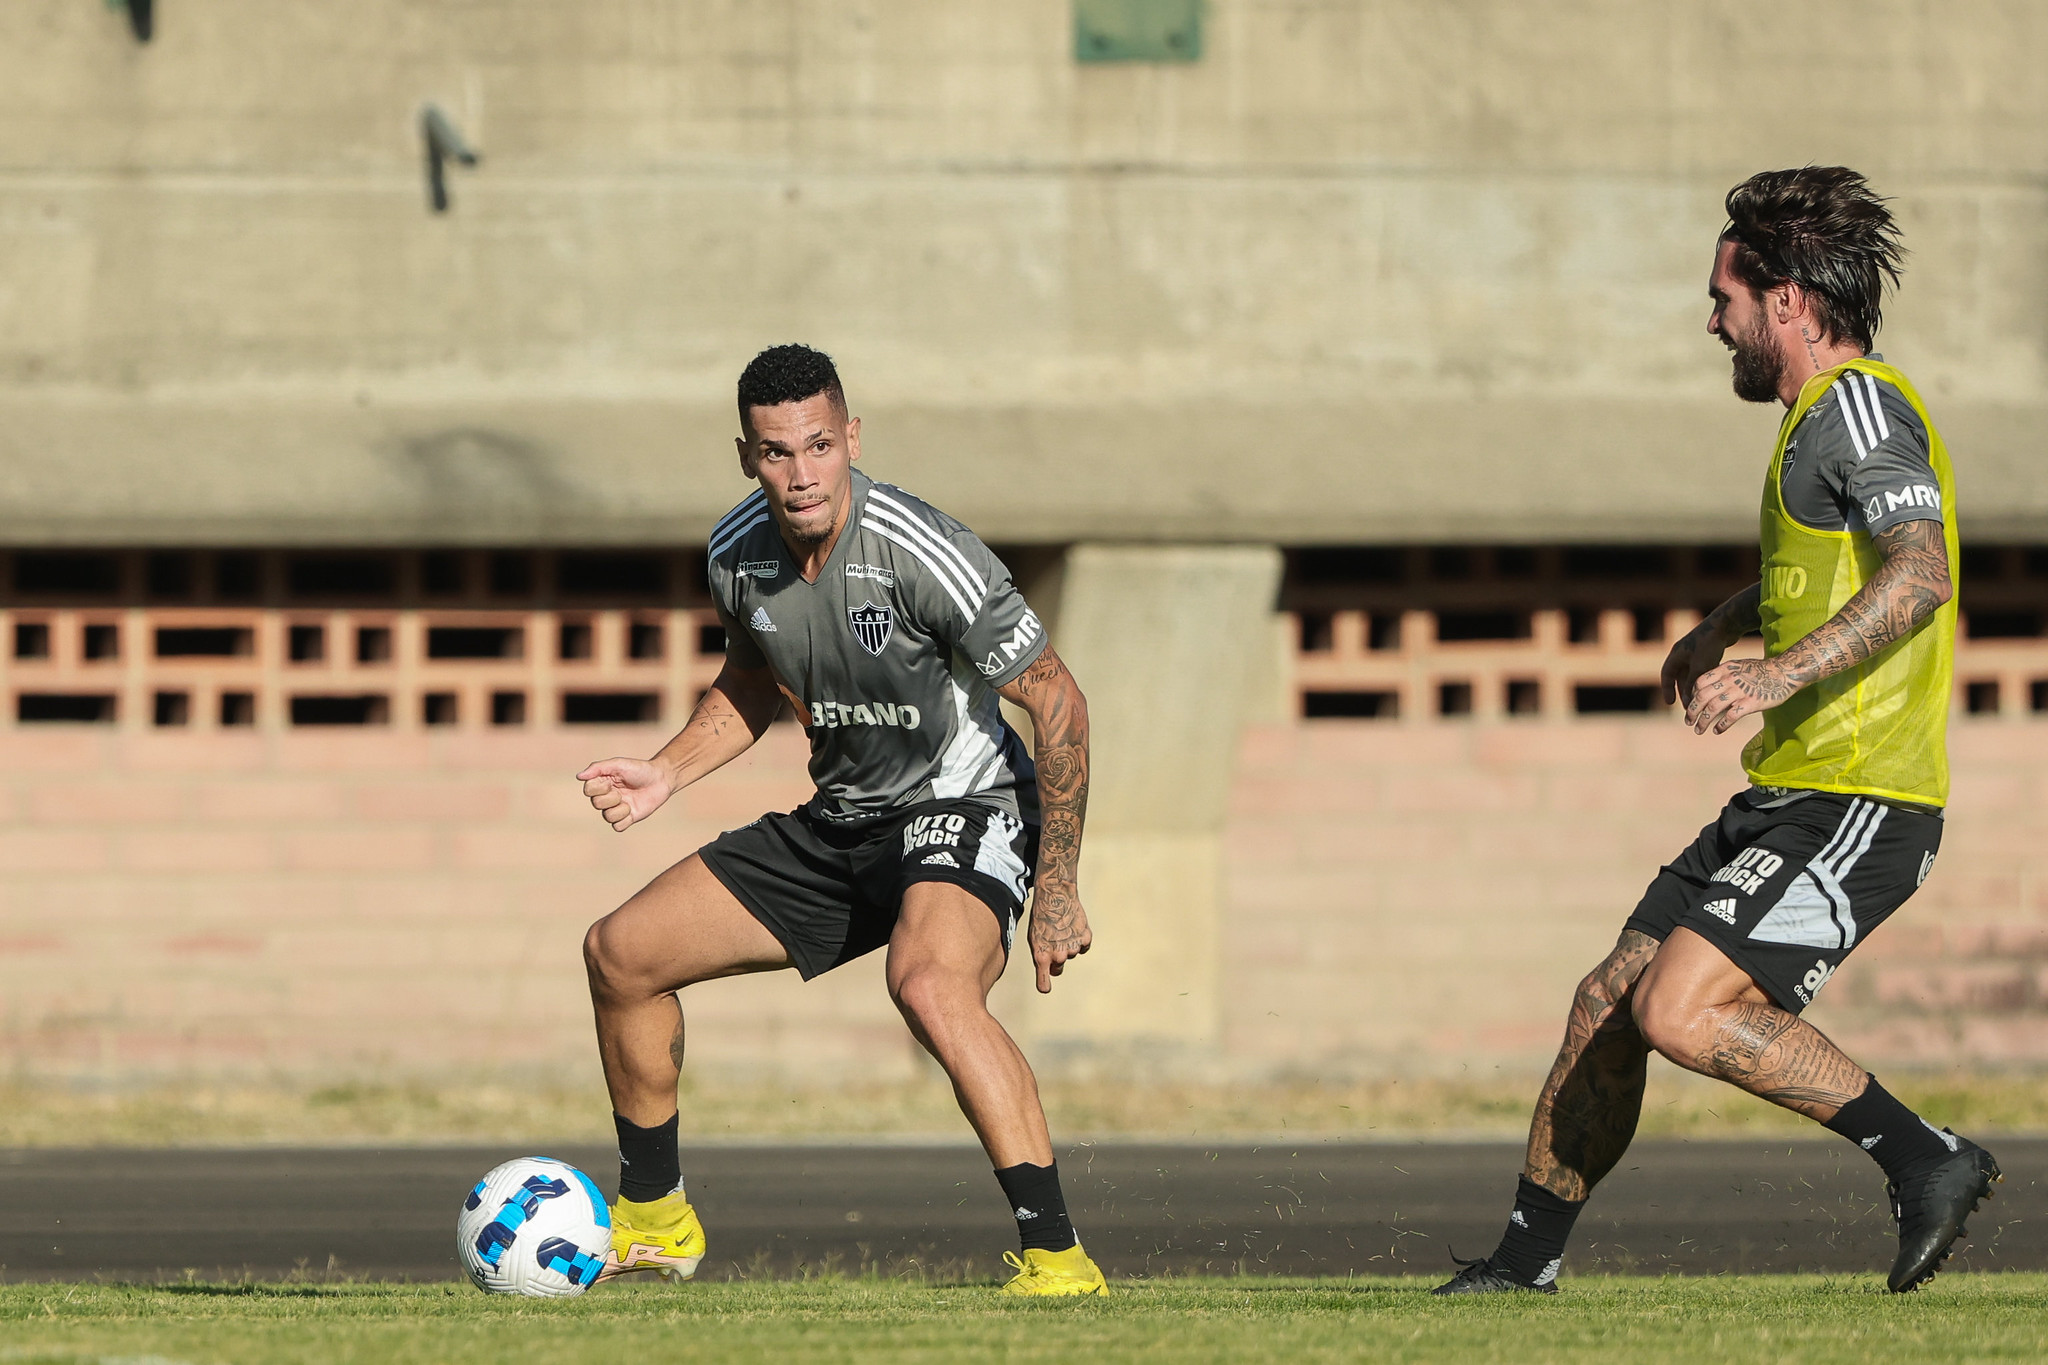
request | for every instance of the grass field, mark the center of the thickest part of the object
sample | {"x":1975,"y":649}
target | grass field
{"x":1677,"y":1105}
{"x":1803,"y":1319}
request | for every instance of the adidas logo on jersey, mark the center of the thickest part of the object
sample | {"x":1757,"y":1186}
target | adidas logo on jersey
{"x":759,"y":620}
{"x":941,"y":859}
{"x":1721,"y":910}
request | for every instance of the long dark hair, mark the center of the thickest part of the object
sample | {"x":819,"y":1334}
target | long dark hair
{"x":1823,"y":229}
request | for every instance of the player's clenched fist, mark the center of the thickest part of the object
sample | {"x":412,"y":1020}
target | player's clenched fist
{"x":626,"y":791}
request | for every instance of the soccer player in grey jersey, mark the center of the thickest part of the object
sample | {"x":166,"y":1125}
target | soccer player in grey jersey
{"x":892,"y":631}
{"x":1858,"y":461}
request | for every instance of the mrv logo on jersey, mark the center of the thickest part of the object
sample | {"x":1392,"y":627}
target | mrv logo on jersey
{"x":1022,"y":638}
{"x":830,"y":715}
{"x":1913,"y":495}
{"x":1747,"y":872}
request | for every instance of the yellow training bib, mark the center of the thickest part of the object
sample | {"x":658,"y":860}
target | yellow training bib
{"x":1880,"y":728}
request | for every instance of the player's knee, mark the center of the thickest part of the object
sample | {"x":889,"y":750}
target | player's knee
{"x":926,"y":997}
{"x":1666,"y":1019}
{"x":608,"y":975}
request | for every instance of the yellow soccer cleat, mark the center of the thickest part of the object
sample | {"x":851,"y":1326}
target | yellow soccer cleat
{"x":662,"y":1235}
{"x":1055,"y":1274}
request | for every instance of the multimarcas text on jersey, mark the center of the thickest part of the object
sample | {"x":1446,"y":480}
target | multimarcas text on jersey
{"x":894,"y":652}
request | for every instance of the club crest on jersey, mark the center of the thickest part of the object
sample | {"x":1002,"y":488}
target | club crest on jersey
{"x":872,"y":625}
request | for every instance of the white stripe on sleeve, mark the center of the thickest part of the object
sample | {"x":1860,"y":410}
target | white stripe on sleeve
{"x":1862,"y":405}
{"x":952,"y":589}
{"x":879,"y":514}
{"x":1849,"y":420}
{"x":1884,"y":429}
{"x":747,"y":506}
{"x":735,"y":536}
{"x":945,"y":546}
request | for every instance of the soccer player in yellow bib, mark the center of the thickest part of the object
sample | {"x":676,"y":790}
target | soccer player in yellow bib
{"x":1848,"y":777}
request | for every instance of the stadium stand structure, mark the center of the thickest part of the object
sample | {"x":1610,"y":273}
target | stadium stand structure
{"x":1339,"y":394}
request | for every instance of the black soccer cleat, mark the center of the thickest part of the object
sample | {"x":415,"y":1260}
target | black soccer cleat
{"x":1930,"y":1210}
{"x":1479,"y":1277}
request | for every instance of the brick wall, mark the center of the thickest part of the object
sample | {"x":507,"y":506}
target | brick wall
{"x":1425,"y":896}
{"x":1401,"y":896}
{"x":357,"y":902}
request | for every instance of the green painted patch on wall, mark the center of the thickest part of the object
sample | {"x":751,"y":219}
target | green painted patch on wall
{"x":1137,"y":30}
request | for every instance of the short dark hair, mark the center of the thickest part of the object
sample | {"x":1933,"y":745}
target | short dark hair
{"x":1823,"y":229}
{"x":788,"y":374}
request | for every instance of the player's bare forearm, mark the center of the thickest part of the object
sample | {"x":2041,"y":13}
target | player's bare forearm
{"x":734,"y":712}
{"x":727,"y":720}
{"x":1909,"y":586}
{"x":1701,"y":648}
{"x":1738,"y":616}
{"x":1059,"y":723}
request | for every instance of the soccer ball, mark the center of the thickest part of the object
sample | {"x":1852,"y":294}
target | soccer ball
{"x":534,"y":1226}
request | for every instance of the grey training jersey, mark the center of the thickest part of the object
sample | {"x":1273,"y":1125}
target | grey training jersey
{"x":1858,"y":461}
{"x":895,"y":652}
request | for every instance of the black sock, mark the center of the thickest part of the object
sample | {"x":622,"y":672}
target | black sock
{"x":1897,"y":1138}
{"x":1039,"y":1207}
{"x":649,"y":1166}
{"x":1533,"y":1246}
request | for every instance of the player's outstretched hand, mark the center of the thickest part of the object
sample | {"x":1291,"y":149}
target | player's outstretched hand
{"x":1697,"y":652}
{"x":626,"y":791}
{"x":1059,"y":930}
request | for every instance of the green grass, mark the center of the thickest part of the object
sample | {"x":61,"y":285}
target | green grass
{"x":454,"y":1109}
{"x":1807,"y":1320}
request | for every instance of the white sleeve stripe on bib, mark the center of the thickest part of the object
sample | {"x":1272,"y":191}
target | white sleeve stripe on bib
{"x":952,"y":591}
{"x":945,"y":547}
{"x":1884,"y":430}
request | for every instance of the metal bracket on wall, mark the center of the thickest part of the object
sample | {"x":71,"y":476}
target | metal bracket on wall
{"x":443,"y":144}
{"x":1137,"y":30}
{"x":141,"y":17}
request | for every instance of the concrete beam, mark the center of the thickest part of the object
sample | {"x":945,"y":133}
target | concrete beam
{"x":1169,"y":644}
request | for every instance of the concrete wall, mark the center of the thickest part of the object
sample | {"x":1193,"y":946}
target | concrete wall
{"x":1378,"y":270}
{"x":1396,"y":899}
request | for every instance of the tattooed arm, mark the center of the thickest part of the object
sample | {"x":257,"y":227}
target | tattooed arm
{"x":728,"y":719}
{"x":1910,"y":586}
{"x":1701,"y":649}
{"x":1059,"y":724}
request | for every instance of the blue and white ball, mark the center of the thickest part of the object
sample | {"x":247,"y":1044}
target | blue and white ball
{"x":534,"y":1226}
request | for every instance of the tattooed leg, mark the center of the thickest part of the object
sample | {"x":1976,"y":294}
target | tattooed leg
{"x":1704,"y":1013}
{"x":1586,"y":1114}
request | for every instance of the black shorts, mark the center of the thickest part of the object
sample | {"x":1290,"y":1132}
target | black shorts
{"x":830,"y":892}
{"x":1786,"y":884}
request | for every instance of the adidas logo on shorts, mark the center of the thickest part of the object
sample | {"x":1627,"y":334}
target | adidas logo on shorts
{"x":1721,"y":910}
{"x":941,"y":859}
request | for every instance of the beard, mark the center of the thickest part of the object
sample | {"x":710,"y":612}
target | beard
{"x":1759,"y":365}
{"x":817,"y":532}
